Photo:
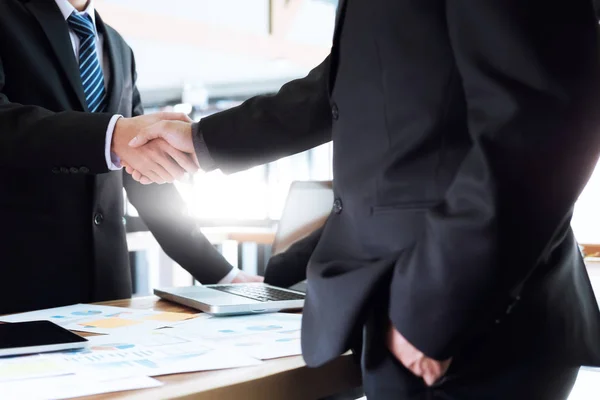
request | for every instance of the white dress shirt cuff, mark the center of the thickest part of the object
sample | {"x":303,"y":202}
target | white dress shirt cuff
{"x":230,"y":276}
{"x":112,"y":161}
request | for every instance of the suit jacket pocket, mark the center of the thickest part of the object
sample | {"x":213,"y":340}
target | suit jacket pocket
{"x":390,"y":229}
{"x":417,"y":206}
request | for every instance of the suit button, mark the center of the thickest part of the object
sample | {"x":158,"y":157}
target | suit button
{"x":56,"y":170}
{"x":84,"y":170}
{"x":335,"y":112}
{"x":64,"y":170}
{"x":98,"y":218}
{"x":337,"y":206}
{"x":74,"y":170}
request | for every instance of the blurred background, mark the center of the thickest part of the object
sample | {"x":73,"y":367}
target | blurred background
{"x":204,"y":56}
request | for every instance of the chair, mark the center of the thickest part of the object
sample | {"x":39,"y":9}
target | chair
{"x":306,"y":209}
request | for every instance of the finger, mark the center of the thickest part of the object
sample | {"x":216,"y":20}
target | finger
{"x":430,"y":372}
{"x":152,"y":176}
{"x":144,"y":137}
{"x":172,"y":167}
{"x":146,"y":181}
{"x":429,"y":379}
{"x":136,"y":175}
{"x":126,"y":167}
{"x":436,"y":370}
{"x":161,"y":129}
{"x":184,"y":160}
{"x":160,"y":155}
{"x":159,"y":171}
{"x":179,"y":135}
{"x":416,"y":367}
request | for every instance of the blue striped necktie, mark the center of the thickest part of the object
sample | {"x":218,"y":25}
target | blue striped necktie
{"x":92,"y":78}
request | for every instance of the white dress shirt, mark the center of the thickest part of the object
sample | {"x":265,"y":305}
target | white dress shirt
{"x":112,"y":161}
{"x":66,"y":8}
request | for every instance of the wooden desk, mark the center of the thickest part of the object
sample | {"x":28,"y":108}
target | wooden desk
{"x":285,"y":378}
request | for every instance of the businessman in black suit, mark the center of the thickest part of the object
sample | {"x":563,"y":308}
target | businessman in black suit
{"x":463,"y":133}
{"x":61,"y":192}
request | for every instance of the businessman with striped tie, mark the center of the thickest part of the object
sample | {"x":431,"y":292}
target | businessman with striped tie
{"x":67,"y":98}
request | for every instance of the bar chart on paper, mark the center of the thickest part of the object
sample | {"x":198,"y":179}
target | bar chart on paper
{"x":150,"y":354}
{"x":263,"y":336}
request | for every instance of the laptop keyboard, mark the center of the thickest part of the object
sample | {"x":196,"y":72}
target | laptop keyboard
{"x":259,"y":293}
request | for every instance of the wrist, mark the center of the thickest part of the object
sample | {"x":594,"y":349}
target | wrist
{"x":112,"y":160}
{"x":205,"y":161}
{"x":119,"y":136}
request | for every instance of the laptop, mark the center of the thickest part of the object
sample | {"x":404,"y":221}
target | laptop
{"x":234,"y":299}
{"x":307,"y":206}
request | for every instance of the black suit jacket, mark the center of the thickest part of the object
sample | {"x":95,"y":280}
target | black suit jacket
{"x":289,"y":267}
{"x":463,"y":133}
{"x":62,"y":231}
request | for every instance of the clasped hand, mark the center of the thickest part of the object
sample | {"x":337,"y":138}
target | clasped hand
{"x":155,"y":161}
{"x":415,"y":361}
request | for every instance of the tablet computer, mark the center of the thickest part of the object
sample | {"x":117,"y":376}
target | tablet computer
{"x":37,"y":337}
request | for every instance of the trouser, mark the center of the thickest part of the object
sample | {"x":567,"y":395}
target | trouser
{"x":480,"y":375}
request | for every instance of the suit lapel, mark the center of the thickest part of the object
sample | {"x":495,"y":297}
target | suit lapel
{"x":339,"y":22}
{"x":338,"y":15}
{"x":115,"y":84}
{"x":54,"y":26}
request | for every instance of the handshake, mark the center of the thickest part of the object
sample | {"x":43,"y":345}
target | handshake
{"x":155,"y":148}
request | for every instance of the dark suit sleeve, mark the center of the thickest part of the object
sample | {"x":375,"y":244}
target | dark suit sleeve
{"x":34,"y":137}
{"x":529,"y":72}
{"x":164,"y":212}
{"x":269,"y":127}
{"x":288,"y":268}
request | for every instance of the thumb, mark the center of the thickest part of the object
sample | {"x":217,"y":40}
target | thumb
{"x":174,"y":116}
{"x":144,"y":137}
{"x":156,"y":120}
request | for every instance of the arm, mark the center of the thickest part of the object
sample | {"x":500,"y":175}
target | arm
{"x":531,"y":84}
{"x":288,"y":268}
{"x":269,"y":127}
{"x":164,"y":212}
{"x":262,"y":129}
{"x":34,"y":137}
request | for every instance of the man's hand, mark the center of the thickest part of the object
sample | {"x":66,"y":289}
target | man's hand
{"x":415,"y":361}
{"x":158,"y":161}
{"x":177,"y":133}
{"x":243,"y":277}
{"x":173,"y":161}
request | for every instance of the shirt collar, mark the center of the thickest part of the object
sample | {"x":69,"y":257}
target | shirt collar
{"x":67,"y":9}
